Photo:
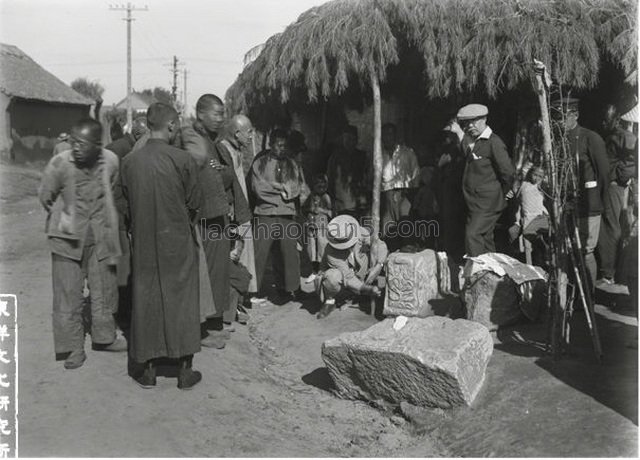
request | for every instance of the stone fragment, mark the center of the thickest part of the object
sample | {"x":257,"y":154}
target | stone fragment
{"x":492,"y":300}
{"x":411,"y":283}
{"x":433,"y":362}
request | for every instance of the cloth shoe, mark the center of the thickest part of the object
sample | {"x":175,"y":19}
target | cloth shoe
{"x":229,"y":327}
{"x":225,"y":335}
{"x":75,"y":359}
{"x":604,"y":281}
{"x":256,"y":300}
{"x":187,"y":377}
{"x":326,"y":309}
{"x":118,"y":345}
{"x":212,"y":341}
{"x":147,"y":379}
{"x":242,"y":317}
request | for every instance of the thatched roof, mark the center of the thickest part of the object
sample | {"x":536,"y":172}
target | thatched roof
{"x":21,"y":76}
{"x":465,"y":45}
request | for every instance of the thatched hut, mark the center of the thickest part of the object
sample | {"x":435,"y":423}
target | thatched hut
{"x":427,"y":57}
{"x":35,"y":107}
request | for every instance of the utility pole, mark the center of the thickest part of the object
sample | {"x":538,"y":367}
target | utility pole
{"x":174,"y":88}
{"x":129,"y":8}
{"x":184,"y":93}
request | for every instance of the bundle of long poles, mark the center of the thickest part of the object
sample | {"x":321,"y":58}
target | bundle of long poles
{"x":565,"y":243}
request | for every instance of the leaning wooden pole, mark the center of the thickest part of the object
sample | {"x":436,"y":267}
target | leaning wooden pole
{"x":377,"y":158}
{"x":558,"y":279}
{"x":377,"y":166}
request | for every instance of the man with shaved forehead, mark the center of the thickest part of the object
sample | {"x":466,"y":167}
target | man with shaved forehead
{"x":236,"y":136}
{"x":82,"y":230}
{"x":162,"y":193}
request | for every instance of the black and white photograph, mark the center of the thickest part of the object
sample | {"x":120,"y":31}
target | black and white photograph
{"x":319,"y":228}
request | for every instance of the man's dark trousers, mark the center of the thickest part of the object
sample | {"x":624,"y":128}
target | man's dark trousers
{"x":269,"y":229}
{"x":217,"y":246}
{"x":610,"y":231}
{"x":479,"y":238}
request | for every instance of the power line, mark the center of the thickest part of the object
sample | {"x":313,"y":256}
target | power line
{"x":150,"y":59}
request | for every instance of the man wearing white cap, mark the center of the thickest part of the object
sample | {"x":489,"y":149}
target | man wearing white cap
{"x":487,"y":178}
{"x":346,"y":262}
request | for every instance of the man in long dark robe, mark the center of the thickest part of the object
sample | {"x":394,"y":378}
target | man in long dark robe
{"x":122,"y":147}
{"x":160,"y":185}
{"x":215,"y":179}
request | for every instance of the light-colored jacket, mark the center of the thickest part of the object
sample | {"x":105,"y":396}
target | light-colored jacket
{"x":65,"y":227}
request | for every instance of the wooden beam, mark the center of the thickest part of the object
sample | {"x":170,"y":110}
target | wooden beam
{"x":377,"y":167}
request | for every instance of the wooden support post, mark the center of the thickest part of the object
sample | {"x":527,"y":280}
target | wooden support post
{"x":377,"y":166}
{"x":558,"y":292}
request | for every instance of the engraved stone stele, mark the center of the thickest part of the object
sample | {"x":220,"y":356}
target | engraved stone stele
{"x":411,"y":282}
{"x":429,"y":362}
{"x":492,"y":300}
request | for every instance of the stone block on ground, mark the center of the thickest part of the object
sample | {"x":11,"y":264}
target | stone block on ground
{"x":492,"y":300}
{"x":411,"y":283}
{"x":429,"y":362}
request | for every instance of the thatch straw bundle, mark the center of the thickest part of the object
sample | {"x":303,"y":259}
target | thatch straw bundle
{"x":465,"y":45}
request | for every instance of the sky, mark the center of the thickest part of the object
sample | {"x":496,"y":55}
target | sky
{"x":84,"y":38}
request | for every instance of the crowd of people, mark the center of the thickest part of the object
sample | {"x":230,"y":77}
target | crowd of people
{"x":173,"y":230}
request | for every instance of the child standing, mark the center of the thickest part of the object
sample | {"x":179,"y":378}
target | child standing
{"x":532,"y":216}
{"x":317,"y":211}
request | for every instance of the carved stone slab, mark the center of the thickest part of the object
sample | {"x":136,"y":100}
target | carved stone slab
{"x":433,"y":362}
{"x":411,"y":282}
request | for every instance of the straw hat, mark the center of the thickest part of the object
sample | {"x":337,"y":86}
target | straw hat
{"x":343,"y":232}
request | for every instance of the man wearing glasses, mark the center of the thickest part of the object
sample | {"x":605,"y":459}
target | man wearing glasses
{"x":488,"y":176}
{"x":82,"y":230}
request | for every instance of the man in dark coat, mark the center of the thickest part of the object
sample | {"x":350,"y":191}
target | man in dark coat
{"x":122,"y":147}
{"x":276,"y":182}
{"x":622,"y":146}
{"x":162,"y":192}
{"x":451,"y":166}
{"x":215,"y":180}
{"x":487,"y":178}
{"x":593,"y":177}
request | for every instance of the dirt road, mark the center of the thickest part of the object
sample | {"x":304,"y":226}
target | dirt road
{"x":268,"y":394}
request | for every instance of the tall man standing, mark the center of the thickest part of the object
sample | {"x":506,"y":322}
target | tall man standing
{"x":160,"y":185}
{"x":276,"y":182}
{"x":487,"y":178}
{"x":349,"y":175}
{"x":122,"y":147}
{"x":621,"y":146}
{"x":82,"y":229}
{"x":236,"y":136}
{"x":589,"y":151}
{"x":400,"y":178}
{"x":218,"y":181}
